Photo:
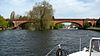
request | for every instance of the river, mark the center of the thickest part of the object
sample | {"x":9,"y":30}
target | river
{"x":37,"y":43}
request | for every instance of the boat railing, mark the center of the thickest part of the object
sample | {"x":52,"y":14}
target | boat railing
{"x":51,"y":51}
{"x":58,"y":51}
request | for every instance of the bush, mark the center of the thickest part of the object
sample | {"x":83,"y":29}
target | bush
{"x":10,"y":24}
{"x":3,"y":23}
{"x":26,"y":25}
{"x":87,"y":25}
{"x":98,"y":23}
{"x":58,"y":26}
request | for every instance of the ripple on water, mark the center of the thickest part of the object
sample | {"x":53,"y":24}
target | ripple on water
{"x":37,"y":43}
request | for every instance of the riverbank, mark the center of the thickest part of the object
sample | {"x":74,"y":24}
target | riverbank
{"x":94,"y":28}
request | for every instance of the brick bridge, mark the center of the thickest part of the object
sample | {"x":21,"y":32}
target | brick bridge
{"x":77,"y":21}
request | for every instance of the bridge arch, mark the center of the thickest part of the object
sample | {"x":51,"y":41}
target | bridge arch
{"x":90,"y":23}
{"x":19,"y":24}
{"x":25,"y":25}
{"x":10,"y":24}
{"x":80,"y":23}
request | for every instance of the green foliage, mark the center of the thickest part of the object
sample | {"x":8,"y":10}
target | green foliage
{"x":3,"y":23}
{"x":87,"y":25}
{"x":58,"y":26}
{"x":42,"y":15}
{"x":53,"y":17}
{"x":26,"y":26}
{"x":10,"y":24}
{"x":95,"y":28}
{"x":98,"y":23}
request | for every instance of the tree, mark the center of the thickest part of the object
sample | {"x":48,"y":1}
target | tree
{"x":26,"y":25}
{"x":87,"y":25}
{"x":58,"y":26}
{"x":98,"y":23}
{"x":12,"y":15}
{"x":10,"y":24}
{"x":3,"y":23}
{"x":53,"y":17}
{"x":42,"y":14}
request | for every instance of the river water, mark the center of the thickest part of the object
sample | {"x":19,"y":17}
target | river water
{"x":37,"y":43}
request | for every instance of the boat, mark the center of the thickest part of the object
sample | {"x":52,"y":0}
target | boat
{"x":93,"y":50}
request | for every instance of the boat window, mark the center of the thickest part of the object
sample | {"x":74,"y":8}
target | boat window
{"x":96,"y":45}
{"x":95,"y":50}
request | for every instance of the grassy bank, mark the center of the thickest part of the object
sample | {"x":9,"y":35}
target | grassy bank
{"x":95,"y":28}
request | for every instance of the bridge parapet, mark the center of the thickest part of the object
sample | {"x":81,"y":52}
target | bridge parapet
{"x":75,"y":19}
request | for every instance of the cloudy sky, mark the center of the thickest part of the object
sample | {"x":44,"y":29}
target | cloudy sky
{"x":62,"y":8}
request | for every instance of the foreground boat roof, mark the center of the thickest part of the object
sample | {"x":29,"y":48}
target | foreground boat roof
{"x":83,"y":53}
{"x":88,"y":53}
{"x":96,"y":38}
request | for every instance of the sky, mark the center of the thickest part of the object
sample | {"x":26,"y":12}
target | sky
{"x":62,"y":8}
